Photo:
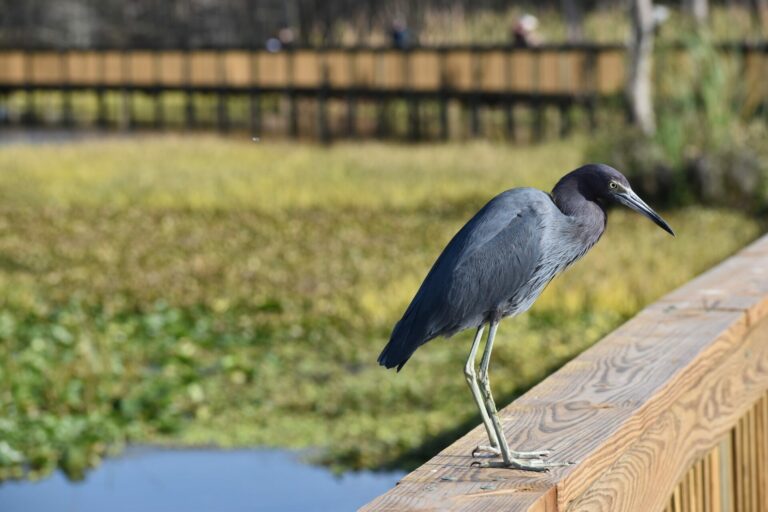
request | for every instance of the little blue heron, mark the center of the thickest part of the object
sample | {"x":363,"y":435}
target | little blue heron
{"x":496,"y":266}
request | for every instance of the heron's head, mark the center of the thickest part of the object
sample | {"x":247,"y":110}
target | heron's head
{"x":605,"y":185}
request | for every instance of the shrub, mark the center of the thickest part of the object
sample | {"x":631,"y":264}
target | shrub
{"x":706,"y":147}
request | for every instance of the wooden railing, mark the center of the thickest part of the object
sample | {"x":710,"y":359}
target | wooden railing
{"x":552,"y":69}
{"x":282,"y":90}
{"x":668,"y":412}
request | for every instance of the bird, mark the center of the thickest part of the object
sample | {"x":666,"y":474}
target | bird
{"x":496,"y":266}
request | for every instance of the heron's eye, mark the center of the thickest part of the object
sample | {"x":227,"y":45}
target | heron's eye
{"x":613,"y":185}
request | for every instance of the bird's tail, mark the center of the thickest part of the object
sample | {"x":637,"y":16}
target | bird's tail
{"x":402,"y":344}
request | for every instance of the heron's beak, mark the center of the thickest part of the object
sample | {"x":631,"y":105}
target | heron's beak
{"x":631,"y":200}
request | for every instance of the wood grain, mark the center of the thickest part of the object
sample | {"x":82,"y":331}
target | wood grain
{"x":636,"y":411}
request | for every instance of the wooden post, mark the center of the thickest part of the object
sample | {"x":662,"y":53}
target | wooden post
{"x":414,"y":122}
{"x":66,"y":91}
{"x":30,"y":112}
{"x":322,"y":105}
{"x":222,"y":95}
{"x":445,"y":130}
{"x":538,"y":104}
{"x":382,"y":118}
{"x":159,"y":114}
{"x":564,"y":79}
{"x":443,"y":96}
{"x":4,"y":118}
{"x":509,"y":118}
{"x":565,"y":118}
{"x":474,"y":107}
{"x":591,"y":70}
{"x":101,"y":102}
{"x":127,"y":93}
{"x":763,"y":52}
{"x":293,"y":115}
{"x":414,"y":132}
{"x":383,"y":124}
{"x":351,"y":96}
{"x":351,"y":116}
{"x":293,"y":112}
{"x":255,"y":98}
{"x":509,"y":106}
{"x":190,"y":113}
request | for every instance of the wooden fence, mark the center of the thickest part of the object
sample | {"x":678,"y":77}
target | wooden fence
{"x":669,"y":412}
{"x":279,"y":89}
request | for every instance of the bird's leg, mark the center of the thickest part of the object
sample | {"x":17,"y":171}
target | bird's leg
{"x":530,"y":461}
{"x":485,"y":390}
{"x":471,"y":376}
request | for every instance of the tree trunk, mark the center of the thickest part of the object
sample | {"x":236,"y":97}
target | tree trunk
{"x":639,"y":87}
{"x":760,"y":13}
{"x":697,"y":9}
{"x":574,"y":20}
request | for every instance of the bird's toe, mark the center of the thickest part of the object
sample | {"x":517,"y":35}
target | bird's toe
{"x":537,"y":454}
{"x":485,"y":451}
{"x":536,"y":465}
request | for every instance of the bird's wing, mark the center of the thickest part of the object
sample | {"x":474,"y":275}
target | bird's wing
{"x":487,"y":261}
{"x":499,"y":257}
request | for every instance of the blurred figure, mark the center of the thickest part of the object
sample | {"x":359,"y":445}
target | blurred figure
{"x":660,"y":16}
{"x":524,"y":31}
{"x":286,"y":37}
{"x":401,"y":37}
{"x":273,"y":45}
{"x":284,"y":40}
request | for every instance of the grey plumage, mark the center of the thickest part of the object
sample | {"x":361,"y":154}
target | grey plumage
{"x":495,"y":266}
{"x":470,"y":280}
{"x":502,"y":259}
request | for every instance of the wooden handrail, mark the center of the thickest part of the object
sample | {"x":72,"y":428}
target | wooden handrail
{"x":566,"y":70}
{"x":635,"y":411}
{"x":372,"y":70}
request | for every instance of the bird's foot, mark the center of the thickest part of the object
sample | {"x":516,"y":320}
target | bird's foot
{"x":491,"y":451}
{"x":522,"y":464}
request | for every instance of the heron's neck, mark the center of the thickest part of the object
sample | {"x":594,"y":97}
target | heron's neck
{"x":588,"y":214}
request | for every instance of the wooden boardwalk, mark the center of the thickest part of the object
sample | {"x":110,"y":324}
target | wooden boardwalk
{"x":668,"y":412}
{"x":344,"y":92}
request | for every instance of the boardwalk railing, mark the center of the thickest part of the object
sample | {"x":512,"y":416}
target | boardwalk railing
{"x":347,"y":91}
{"x":668,"y":412}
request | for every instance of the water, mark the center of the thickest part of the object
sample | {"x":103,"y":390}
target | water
{"x":34,"y":136}
{"x":162,"y":480}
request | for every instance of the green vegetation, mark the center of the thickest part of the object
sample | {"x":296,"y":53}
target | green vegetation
{"x":199,"y":290}
{"x":710,"y":143}
{"x":605,"y":24}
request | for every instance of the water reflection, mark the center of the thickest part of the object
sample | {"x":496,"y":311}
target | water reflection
{"x":150,"y":479}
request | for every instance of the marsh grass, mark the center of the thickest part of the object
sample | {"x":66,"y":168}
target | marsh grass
{"x":198,"y":290}
{"x":609,"y":24}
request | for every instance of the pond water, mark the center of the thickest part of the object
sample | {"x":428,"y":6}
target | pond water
{"x":149,"y":479}
{"x":13,"y":136}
